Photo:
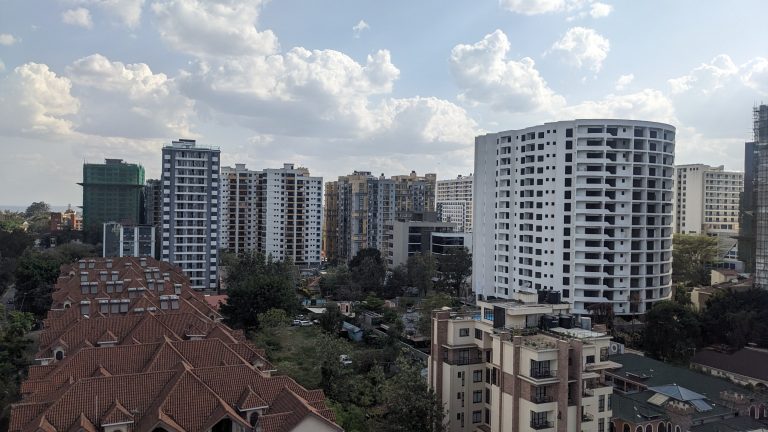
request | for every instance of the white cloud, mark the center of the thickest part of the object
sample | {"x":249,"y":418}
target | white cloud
{"x":600,"y":10}
{"x":485,"y":75}
{"x":358,"y":28}
{"x":8,"y":39}
{"x":2,"y":66}
{"x":125,"y":12}
{"x":35,"y":101}
{"x":583,"y":47}
{"x":593,"y":8}
{"x":80,"y":17}
{"x":647,"y":104}
{"x":213,"y":28}
{"x":128,"y":100}
{"x":624,"y":81}
{"x":707,"y":77}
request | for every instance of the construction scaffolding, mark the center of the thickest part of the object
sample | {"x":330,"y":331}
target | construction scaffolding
{"x":760,"y":118}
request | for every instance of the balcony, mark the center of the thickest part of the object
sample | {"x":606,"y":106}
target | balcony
{"x":543,"y":373}
{"x":542,"y":399}
{"x":540,"y":425}
{"x":587,"y":417}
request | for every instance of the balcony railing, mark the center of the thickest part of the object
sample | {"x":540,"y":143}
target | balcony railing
{"x":543,"y":373}
{"x":539,"y":425}
{"x":542,"y":399}
{"x":587,"y":417}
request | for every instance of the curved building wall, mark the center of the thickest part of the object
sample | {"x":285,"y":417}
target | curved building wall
{"x":580,"y":207}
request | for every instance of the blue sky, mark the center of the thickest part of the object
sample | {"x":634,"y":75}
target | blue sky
{"x":347,"y":85}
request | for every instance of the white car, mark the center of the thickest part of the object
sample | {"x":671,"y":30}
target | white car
{"x":345,"y":360}
{"x":296,"y":322}
{"x":305,"y":323}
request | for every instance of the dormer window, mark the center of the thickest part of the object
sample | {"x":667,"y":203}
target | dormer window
{"x":58,"y":355}
{"x":85,"y":308}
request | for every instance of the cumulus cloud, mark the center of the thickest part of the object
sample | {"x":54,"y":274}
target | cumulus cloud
{"x":35,"y":101}
{"x":583,"y":48}
{"x":124,"y":12}
{"x":80,"y":17}
{"x":485,"y":75}
{"x":707,"y":77}
{"x":624,"y":81}
{"x":128,"y":100}
{"x":593,"y":8}
{"x":647,"y":104}
{"x":2,"y":66}
{"x":600,"y":10}
{"x":358,"y":28}
{"x":211,"y":28}
{"x":8,"y":39}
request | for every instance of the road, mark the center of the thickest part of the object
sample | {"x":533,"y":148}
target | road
{"x":8,"y":295}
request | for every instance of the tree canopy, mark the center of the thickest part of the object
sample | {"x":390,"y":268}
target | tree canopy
{"x":672,"y":332}
{"x":737,"y":318}
{"x":454,"y":268}
{"x":690,"y":256}
{"x":256,"y":284}
{"x":367,"y":270}
{"x":421,"y":271}
{"x":14,"y":357}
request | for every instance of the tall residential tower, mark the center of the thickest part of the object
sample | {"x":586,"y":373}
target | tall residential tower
{"x":582,"y":208}
{"x":111,"y":193}
{"x":454,"y":202}
{"x":191,"y":197}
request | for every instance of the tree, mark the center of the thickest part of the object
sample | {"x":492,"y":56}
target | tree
{"x":255,"y":285}
{"x":737,"y":318}
{"x":454,"y":268}
{"x":672,"y":332}
{"x":681,"y":294}
{"x":396,"y":282}
{"x":336,"y":282}
{"x":428,"y":304}
{"x":421,"y":270}
{"x":14,"y":357}
{"x":331,"y":320}
{"x":690,"y":255}
{"x":35,"y":274}
{"x":367,"y":271}
{"x":38,"y":210}
{"x":11,"y":221}
{"x":273,"y":318}
{"x":408,"y":402}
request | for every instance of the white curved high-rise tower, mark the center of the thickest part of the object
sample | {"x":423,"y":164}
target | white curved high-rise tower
{"x":582,"y":207}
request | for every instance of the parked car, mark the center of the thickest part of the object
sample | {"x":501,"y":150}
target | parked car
{"x":305,"y":323}
{"x":296,"y":322}
{"x":345,"y":360}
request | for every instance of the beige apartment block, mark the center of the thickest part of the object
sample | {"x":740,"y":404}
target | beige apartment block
{"x":519,"y":366}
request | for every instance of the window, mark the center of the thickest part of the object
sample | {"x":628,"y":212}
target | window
{"x":478,"y":334}
{"x":477,"y":396}
{"x":463,"y":332}
{"x":601,"y":403}
{"x":476,"y":416}
{"x":601,"y":425}
{"x":477,"y":375}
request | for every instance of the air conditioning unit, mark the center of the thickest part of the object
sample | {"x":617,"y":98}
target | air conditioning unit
{"x":616,"y":348}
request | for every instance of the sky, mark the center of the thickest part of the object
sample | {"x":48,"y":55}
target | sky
{"x":342,"y":85}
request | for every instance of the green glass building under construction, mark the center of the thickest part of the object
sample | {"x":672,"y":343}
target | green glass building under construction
{"x":111,"y":193}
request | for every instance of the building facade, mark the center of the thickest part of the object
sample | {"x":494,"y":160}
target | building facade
{"x":365,"y":203}
{"x":190,"y":232}
{"x":128,"y":240}
{"x":582,"y":207}
{"x":707,"y":203}
{"x":238,"y":193}
{"x":496,"y":369}
{"x":747,"y":228}
{"x":406,"y":238}
{"x":111,"y":192}
{"x":454,"y":202}
{"x":288,"y":210}
{"x":66,"y":220}
{"x":760,"y":185}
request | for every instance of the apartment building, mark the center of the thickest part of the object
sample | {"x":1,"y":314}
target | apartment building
{"x":707,"y":203}
{"x":190,"y":231}
{"x":365,"y":203}
{"x":128,"y":240}
{"x":759,"y":196}
{"x":238,"y":208}
{"x":66,"y":220}
{"x":747,"y":221}
{"x":517,"y":365}
{"x":454,"y":202}
{"x":582,"y":207}
{"x":288,"y":212}
{"x":111,"y":192}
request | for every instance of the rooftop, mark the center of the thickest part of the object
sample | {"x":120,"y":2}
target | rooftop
{"x":748,"y":362}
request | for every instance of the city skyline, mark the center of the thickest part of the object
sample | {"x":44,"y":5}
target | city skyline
{"x":137,"y":75}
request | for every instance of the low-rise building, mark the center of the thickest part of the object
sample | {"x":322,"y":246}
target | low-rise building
{"x":652,"y":396}
{"x":66,"y":220}
{"x":405,"y":238}
{"x":746,"y":366}
{"x":517,"y":365}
